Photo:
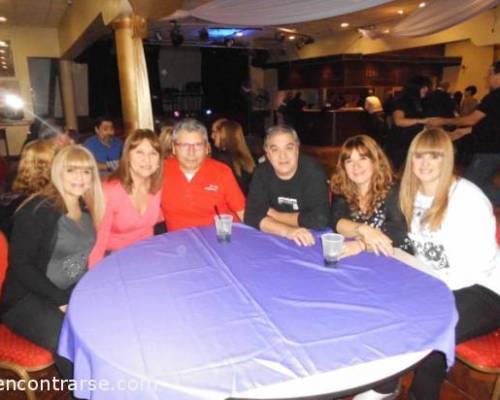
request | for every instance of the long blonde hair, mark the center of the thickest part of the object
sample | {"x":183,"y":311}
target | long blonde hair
{"x":381,"y":180}
{"x":434,"y":141}
{"x":233,"y":140}
{"x":75,"y":156}
{"x":33,"y":171}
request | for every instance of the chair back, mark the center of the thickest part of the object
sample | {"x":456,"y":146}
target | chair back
{"x":4,"y":247}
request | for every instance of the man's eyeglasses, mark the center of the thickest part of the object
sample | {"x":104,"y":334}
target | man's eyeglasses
{"x":186,"y":146}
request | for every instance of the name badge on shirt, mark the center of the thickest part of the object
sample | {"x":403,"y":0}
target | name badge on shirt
{"x":212,"y":188}
{"x":289,"y":202}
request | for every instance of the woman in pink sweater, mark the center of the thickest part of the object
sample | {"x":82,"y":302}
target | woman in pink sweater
{"x":133,"y":194}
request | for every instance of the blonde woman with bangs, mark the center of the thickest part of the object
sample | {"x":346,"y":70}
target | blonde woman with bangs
{"x":33,"y":174}
{"x":365,"y":202}
{"x":452,"y":231}
{"x":54,"y":232}
{"x":133,"y":195}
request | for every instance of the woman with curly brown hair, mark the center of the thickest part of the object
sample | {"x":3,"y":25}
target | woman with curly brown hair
{"x":33,"y":174}
{"x":365,"y":203}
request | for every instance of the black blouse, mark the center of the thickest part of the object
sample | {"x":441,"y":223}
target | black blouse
{"x":387,"y":217}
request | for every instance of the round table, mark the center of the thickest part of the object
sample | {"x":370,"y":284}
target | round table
{"x":181,"y":316}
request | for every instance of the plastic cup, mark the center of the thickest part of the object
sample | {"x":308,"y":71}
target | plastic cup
{"x":332,"y":247}
{"x":223,"y":227}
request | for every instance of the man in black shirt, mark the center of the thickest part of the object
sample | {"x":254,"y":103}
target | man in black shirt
{"x":288,"y":193}
{"x":485,"y":123}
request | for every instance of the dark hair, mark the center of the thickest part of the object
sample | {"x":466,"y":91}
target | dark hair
{"x":496,"y":67}
{"x":416,"y":83}
{"x":102,"y":119}
{"x":49,"y":129}
{"x":472,"y":89}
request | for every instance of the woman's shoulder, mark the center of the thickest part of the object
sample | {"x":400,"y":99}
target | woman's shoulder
{"x":37,"y":206}
{"x":464,"y":192}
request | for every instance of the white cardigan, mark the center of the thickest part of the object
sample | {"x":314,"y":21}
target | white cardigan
{"x":464,"y":251}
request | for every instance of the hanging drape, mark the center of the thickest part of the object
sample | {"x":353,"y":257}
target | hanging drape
{"x":437,"y":16}
{"x":440,"y":15}
{"x":274,"y":12}
{"x":144,"y":108}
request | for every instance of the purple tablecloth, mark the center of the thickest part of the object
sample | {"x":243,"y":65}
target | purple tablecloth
{"x":189,"y":318}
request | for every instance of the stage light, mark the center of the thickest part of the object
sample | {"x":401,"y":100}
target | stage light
{"x":203,"y":35}
{"x":158,"y":36}
{"x":177,"y":114}
{"x":229,"y":42}
{"x":176,"y":36}
{"x":208,"y":112}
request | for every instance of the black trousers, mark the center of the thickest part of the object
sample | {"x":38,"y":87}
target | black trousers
{"x":40,"y":322}
{"x":478,"y":313}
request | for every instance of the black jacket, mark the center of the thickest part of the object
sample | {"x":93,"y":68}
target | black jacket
{"x":30,"y":248}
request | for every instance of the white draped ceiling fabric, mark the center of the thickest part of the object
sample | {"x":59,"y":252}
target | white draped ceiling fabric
{"x":439,"y":15}
{"x":277,"y":12}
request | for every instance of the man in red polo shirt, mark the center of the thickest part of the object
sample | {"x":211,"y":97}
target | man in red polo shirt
{"x":194,"y":184}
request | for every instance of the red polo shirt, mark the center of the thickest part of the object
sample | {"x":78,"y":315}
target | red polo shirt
{"x":192,"y":203}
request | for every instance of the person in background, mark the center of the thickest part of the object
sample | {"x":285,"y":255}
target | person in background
{"x":376,"y":116}
{"x":484,"y":125}
{"x":51,"y":131}
{"x":33,"y":174}
{"x":457,"y":99}
{"x":439,"y":103}
{"x":408,"y":118}
{"x":105,"y":147}
{"x":469,"y":102}
{"x":230,"y":147}
{"x":365,"y":202}
{"x":54,"y":231}
{"x":457,"y":247}
{"x":133,"y":195}
{"x":289,"y":192}
{"x":166,"y":129}
{"x":196,"y":187}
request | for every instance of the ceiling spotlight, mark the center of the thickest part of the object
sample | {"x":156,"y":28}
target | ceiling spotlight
{"x":401,"y":12}
{"x":279,"y":36}
{"x":3,"y":19}
{"x":158,"y":36}
{"x":291,"y":37}
{"x":422,"y":5}
{"x":203,"y":35}
{"x":344,"y":24}
{"x":176,"y":36}
{"x":229,"y":42}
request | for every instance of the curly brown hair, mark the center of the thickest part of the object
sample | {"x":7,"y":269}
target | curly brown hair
{"x":382,"y":178}
{"x":33,"y":171}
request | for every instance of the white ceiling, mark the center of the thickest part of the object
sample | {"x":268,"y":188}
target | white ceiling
{"x":46,"y":13}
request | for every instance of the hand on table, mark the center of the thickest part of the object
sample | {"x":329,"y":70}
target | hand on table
{"x":351,"y":248}
{"x":375,"y":240}
{"x":301,"y":236}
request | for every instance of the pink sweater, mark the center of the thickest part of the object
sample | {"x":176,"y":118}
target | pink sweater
{"x":122,"y":224}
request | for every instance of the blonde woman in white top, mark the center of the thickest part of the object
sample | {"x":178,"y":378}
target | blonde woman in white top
{"x":452,"y":230}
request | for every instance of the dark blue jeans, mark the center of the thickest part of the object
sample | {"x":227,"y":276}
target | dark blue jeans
{"x":481,"y":171}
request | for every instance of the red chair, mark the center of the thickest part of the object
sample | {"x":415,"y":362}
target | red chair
{"x":483,"y":353}
{"x":16,"y":353}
